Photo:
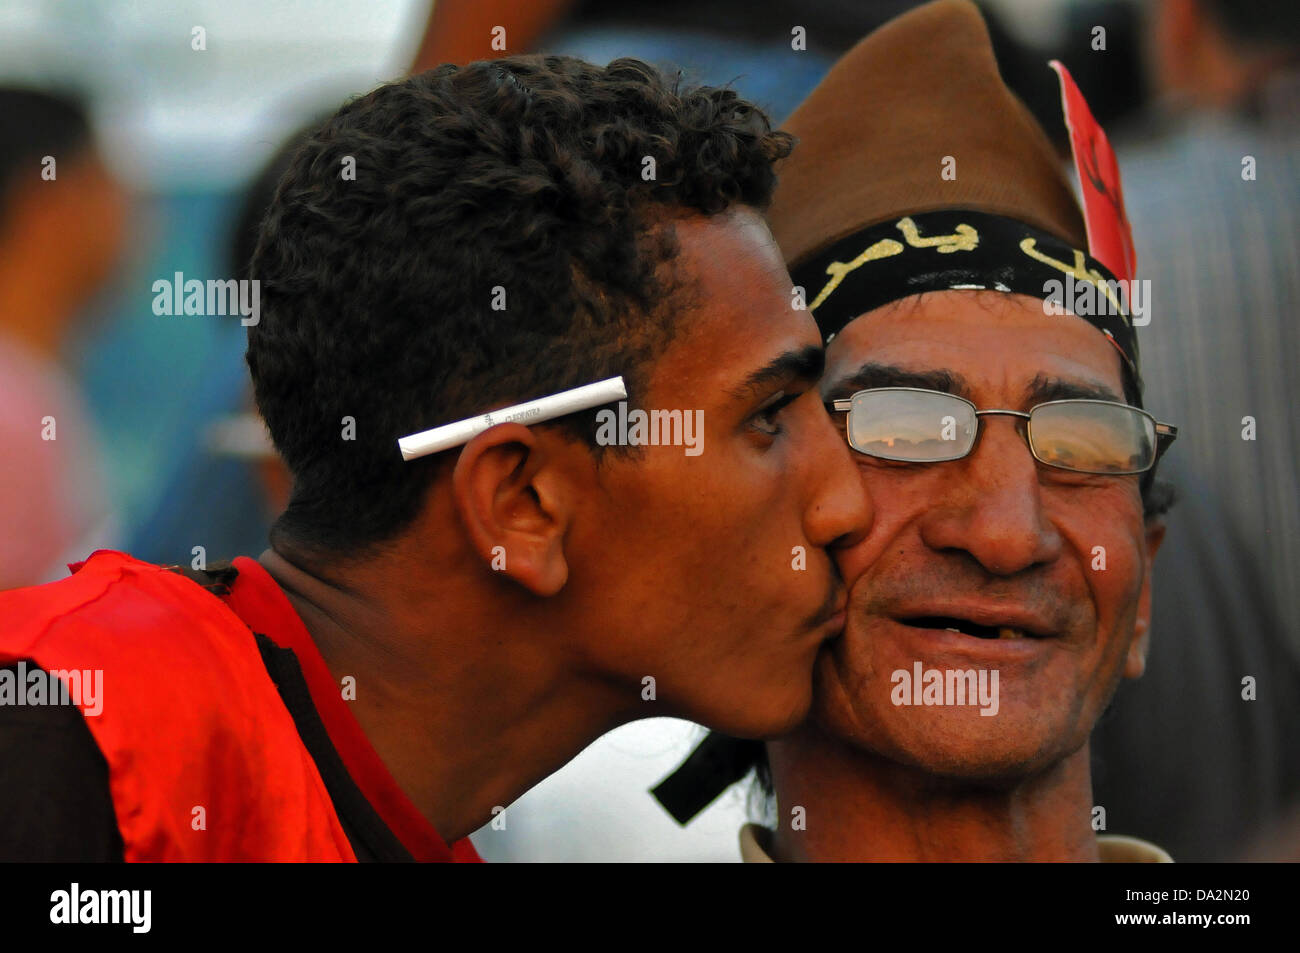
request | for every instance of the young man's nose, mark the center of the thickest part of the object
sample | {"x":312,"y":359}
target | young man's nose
{"x":840,"y":511}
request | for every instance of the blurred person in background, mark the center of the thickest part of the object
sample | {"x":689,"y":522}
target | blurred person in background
{"x":1217,"y":198}
{"x":230,"y":487}
{"x":746,"y":45}
{"x":775,"y":51}
{"x":63,"y":226}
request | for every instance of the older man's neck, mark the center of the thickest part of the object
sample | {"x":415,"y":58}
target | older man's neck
{"x":858,"y":807}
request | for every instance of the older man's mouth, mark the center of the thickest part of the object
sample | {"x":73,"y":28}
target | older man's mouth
{"x":997,"y":631}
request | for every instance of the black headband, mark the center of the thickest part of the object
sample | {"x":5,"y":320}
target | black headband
{"x":957,"y":249}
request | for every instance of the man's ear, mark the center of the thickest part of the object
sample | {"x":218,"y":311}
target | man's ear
{"x":1136,"y":662}
{"x":514,"y":503}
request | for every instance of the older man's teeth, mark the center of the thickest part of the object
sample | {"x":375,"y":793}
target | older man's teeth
{"x":971,"y":629}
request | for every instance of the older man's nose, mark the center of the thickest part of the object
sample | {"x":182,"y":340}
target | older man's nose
{"x":990,"y":504}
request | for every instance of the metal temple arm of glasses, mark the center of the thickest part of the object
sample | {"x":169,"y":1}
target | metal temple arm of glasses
{"x":1165,"y":434}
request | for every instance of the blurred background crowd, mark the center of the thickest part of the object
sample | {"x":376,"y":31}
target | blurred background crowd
{"x":170,"y":121}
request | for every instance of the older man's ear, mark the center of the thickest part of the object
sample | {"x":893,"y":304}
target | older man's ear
{"x":1136,"y":662}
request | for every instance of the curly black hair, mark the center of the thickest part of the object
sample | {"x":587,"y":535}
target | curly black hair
{"x":527,"y":177}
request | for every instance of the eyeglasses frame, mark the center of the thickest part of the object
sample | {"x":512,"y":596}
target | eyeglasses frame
{"x":1165,"y":433}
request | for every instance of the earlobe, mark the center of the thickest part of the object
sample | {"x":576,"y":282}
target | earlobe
{"x":513,"y":508}
{"x":1136,"y":662}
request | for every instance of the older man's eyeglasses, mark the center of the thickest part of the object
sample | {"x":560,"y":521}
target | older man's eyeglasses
{"x":913,"y":425}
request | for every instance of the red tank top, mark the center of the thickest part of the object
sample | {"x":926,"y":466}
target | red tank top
{"x":204,"y":760}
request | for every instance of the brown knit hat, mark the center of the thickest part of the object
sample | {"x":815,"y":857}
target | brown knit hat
{"x":874,"y":134}
{"x":918,"y":170}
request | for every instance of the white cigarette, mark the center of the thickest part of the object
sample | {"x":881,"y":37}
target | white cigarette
{"x":532,"y":412}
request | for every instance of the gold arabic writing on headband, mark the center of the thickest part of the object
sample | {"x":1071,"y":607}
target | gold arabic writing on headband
{"x":1030,"y":247}
{"x":884,"y":248}
{"x":966,"y":238}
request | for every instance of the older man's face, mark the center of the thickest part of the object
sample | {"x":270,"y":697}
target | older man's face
{"x":992,"y":543}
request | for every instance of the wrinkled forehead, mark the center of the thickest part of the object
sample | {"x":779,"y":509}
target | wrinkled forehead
{"x":991,"y":344}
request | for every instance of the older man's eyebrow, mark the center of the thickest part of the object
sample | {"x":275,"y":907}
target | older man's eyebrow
{"x":1044,"y":388}
{"x":804,"y":365}
{"x":873,"y":375}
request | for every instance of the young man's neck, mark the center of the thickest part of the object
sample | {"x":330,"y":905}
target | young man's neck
{"x":467,"y":700}
{"x":860,"y":807}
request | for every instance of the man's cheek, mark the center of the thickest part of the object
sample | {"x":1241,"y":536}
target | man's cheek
{"x":1114,"y":569}
{"x":1115,"y":575}
{"x":855,"y":562}
{"x":843,"y":699}
{"x":1106,"y":533}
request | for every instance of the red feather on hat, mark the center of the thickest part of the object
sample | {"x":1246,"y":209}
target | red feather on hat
{"x":1110,"y":236}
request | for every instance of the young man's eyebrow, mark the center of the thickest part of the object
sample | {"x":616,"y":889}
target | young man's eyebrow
{"x":1044,"y":388}
{"x":873,"y":375}
{"x":804,"y":365}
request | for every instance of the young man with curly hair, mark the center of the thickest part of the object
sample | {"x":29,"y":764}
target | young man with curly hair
{"x":427,"y":638}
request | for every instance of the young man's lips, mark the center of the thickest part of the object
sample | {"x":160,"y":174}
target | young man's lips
{"x":835,"y":623}
{"x":832,"y":623}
